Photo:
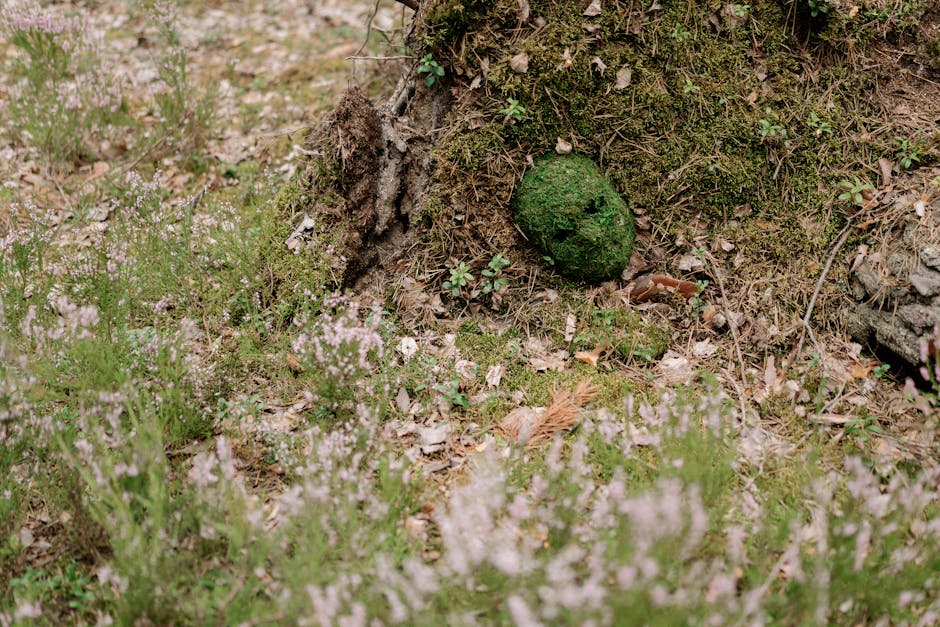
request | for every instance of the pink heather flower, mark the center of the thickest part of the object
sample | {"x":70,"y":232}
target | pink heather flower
{"x":202,"y":471}
{"x":521,"y":615}
{"x":27,"y":610}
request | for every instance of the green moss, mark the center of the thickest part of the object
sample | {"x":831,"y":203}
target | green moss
{"x":631,"y":338}
{"x":574,"y":216}
{"x":683,"y":140}
{"x":930,"y":52}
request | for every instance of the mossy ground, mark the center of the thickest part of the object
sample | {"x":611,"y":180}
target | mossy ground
{"x":717,"y":121}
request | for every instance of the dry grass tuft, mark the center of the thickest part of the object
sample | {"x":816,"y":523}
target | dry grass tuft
{"x":532,"y":426}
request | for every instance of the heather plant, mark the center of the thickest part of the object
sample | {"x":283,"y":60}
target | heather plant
{"x":928,"y":401}
{"x":341,"y":351}
{"x":186,"y":110}
{"x":23,"y":250}
{"x":63,"y":96}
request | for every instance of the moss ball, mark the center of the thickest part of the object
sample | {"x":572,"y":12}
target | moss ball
{"x":573,"y":215}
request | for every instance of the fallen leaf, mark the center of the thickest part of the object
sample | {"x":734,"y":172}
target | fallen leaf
{"x":598,"y":65}
{"x":593,"y":9}
{"x":408,"y":347}
{"x":293,"y":364}
{"x":886,"y":167}
{"x":403,"y":400}
{"x":571,"y":326}
{"x":26,"y":537}
{"x":624,"y":77}
{"x":705,"y":348}
{"x":524,"y":10}
{"x":566,"y":60}
{"x":494,"y":375}
{"x":690,"y":263}
{"x":770,"y":374}
{"x":433,"y":437}
{"x":465,"y":368}
{"x":557,"y":362}
{"x":294,"y":240}
{"x":591,"y":357}
{"x":860,"y":371}
{"x":99,"y":213}
{"x":562,"y":147}
{"x":674,"y":368}
{"x":519,"y":424}
{"x":532,"y":425}
{"x":860,"y":256}
{"x":520,"y":63}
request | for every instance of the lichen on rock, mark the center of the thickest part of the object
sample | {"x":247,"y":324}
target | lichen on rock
{"x":570,"y":211}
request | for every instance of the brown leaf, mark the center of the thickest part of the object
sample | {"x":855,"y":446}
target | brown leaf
{"x":886,"y":167}
{"x":593,"y":9}
{"x":293,"y":364}
{"x":624,"y":77}
{"x":520,"y":63}
{"x":591,"y":357}
{"x":861,"y":371}
{"x":494,"y":375}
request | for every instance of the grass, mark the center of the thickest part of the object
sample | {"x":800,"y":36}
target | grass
{"x":196,"y":427}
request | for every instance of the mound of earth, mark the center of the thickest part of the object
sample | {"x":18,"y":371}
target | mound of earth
{"x":732,"y":129}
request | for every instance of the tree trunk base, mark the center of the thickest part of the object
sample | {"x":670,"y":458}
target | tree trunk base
{"x":897,"y":289}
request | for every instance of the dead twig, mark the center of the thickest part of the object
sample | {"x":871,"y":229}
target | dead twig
{"x":734,"y":333}
{"x":840,"y":242}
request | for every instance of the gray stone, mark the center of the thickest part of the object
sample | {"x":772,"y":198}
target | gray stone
{"x":925,"y":281}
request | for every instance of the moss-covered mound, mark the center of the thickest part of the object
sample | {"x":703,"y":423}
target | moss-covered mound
{"x":573,"y":215}
{"x":715,"y":121}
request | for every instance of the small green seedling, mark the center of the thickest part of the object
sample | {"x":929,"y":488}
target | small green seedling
{"x":432,"y":68}
{"x":697,"y":302}
{"x":769,"y":126}
{"x":513,"y":110}
{"x":460,"y":277}
{"x":493,"y":280}
{"x":908,"y":152}
{"x":855,"y":191}
{"x":818,"y":7}
{"x":863,"y":427}
{"x":820,"y":127}
{"x":680,"y":34}
{"x":451,"y":393}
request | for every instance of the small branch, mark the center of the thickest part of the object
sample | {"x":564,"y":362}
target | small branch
{"x":734,"y":334}
{"x":395,"y":57}
{"x":840,"y":242}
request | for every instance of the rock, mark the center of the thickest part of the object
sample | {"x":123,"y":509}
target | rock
{"x":930,"y":255}
{"x":569,"y":210}
{"x":925,"y":280}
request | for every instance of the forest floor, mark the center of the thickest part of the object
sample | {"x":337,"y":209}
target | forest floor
{"x":198,"y":425}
